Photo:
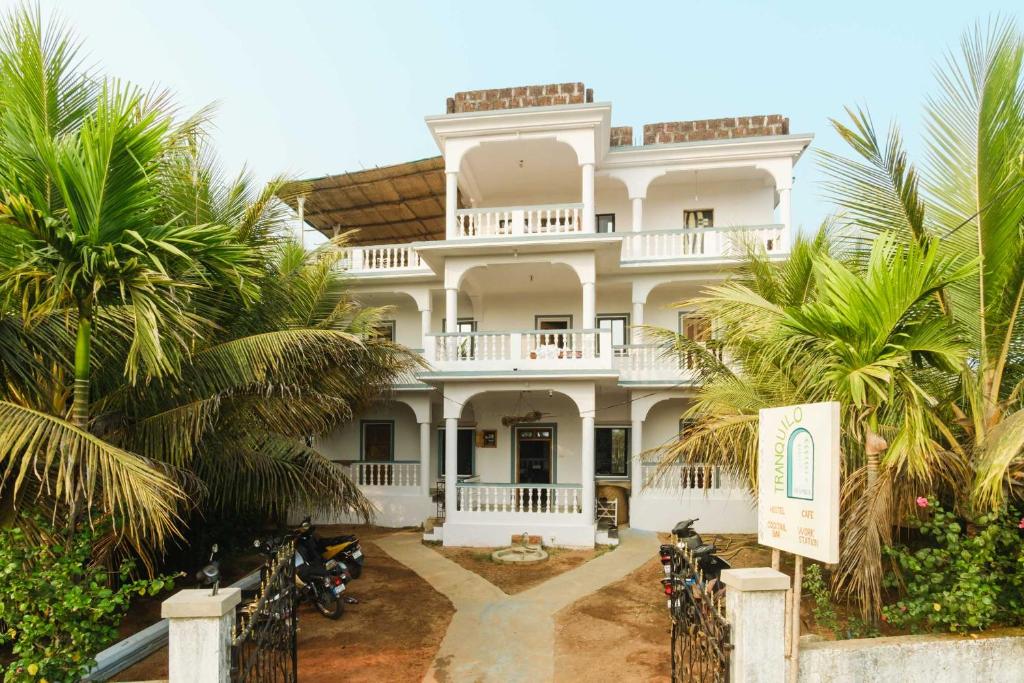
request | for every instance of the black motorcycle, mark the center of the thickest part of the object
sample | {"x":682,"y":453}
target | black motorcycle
{"x":316,"y":582}
{"x":703,"y":554}
{"x":344,"y":548}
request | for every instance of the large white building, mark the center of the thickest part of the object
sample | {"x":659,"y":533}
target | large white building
{"x":521,"y":263}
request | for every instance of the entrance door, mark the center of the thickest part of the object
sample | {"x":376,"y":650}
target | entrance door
{"x":534,"y":446}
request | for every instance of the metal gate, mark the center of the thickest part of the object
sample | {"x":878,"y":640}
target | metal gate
{"x":263,"y":642}
{"x":700,"y":631}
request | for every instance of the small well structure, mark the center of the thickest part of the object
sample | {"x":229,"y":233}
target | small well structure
{"x":522,"y":553}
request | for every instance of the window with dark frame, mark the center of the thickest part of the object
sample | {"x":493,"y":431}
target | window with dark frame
{"x":378,"y":440}
{"x":606,"y":222}
{"x":698,"y":218}
{"x":385,"y":330}
{"x":696,"y":328}
{"x":618,"y":323}
{"x":611,"y":451}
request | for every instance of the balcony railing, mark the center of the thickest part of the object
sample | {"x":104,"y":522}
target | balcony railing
{"x":531,"y":499}
{"x":529,"y":349}
{"x":552,"y":219}
{"x":393,"y":473}
{"x":694,"y":243}
{"x":384,"y":259}
{"x":649,"y":362}
{"x":681,"y":478}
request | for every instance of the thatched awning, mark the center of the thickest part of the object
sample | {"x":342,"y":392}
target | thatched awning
{"x":388,"y":204}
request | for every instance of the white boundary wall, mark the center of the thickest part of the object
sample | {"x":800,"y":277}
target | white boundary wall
{"x":730,"y":515}
{"x":992,"y":658}
{"x":482,"y":534}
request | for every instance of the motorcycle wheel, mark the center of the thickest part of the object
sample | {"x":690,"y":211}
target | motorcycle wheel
{"x":328,"y":604}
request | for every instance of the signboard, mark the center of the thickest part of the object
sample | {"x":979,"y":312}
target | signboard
{"x":798,"y":480}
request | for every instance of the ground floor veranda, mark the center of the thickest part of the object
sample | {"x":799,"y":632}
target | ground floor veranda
{"x":563,"y":460}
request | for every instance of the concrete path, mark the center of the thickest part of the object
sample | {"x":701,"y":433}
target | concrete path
{"x":498,"y":637}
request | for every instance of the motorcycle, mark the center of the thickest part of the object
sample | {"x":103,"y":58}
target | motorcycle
{"x":316,"y":582}
{"x":344,"y":548}
{"x":681,"y":579}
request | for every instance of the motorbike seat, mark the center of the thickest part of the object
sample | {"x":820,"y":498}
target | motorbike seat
{"x":702,"y":550}
{"x":336,"y":540}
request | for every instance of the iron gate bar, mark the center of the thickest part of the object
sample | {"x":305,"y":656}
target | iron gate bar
{"x":700,"y":632}
{"x":264,"y":639}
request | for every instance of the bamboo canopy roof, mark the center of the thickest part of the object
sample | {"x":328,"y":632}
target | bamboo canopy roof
{"x":387,"y":204}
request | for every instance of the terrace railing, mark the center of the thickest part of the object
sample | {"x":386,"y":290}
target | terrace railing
{"x":550,"y":219}
{"x":698,"y":243}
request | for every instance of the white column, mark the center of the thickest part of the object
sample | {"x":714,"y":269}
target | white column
{"x":451,"y":310}
{"x":199,"y":634}
{"x":589,"y":208}
{"x":636,"y":437}
{"x":587,"y":478}
{"x":451,"y":464}
{"x":637,"y":321}
{"x":451,"y":202}
{"x":786,"y":216}
{"x":589,"y":306}
{"x":756,"y":605}
{"x":301,"y":202}
{"x":638,"y":213}
{"x":425,"y":326}
{"x":425,"y":458}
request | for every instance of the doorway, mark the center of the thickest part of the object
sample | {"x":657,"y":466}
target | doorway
{"x":534,"y":447}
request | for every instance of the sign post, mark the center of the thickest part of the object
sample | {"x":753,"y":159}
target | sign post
{"x":798,"y":493}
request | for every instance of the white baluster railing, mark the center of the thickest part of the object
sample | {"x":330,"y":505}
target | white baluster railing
{"x":662,"y":245}
{"x":681,"y":478}
{"x":541,"y":499}
{"x":383,"y":258}
{"x":560,"y":345}
{"x":473,"y":346}
{"x":518,"y":220}
{"x":640,"y":362}
{"x":395,"y":473}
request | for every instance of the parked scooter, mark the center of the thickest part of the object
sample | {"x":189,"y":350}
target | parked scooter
{"x":318,"y":584}
{"x":344,"y":548}
{"x":704,"y":554}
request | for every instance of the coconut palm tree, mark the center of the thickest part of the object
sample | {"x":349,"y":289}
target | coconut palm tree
{"x":970,"y":199}
{"x":834,"y":323}
{"x":80,"y":160}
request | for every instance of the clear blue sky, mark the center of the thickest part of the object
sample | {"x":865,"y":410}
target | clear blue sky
{"x":315,"y":87}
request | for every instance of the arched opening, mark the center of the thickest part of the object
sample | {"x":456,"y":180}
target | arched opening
{"x":531,"y":171}
{"x":401,"y":321}
{"x":525,"y":295}
{"x":613,"y":207}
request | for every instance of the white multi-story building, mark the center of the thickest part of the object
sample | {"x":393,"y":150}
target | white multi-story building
{"x":522,"y":263}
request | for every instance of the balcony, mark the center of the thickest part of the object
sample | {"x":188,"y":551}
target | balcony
{"x":550,"y":219}
{"x":567,"y":350}
{"x":509,"y":502}
{"x":701,"y":243}
{"x":648,"y":363}
{"x":392,"y":474}
{"x":384,"y":259}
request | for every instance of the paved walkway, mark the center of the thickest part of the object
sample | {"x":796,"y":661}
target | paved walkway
{"x":498,"y":637}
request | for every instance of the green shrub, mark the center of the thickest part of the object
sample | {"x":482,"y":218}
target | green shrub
{"x":960,"y":582}
{"x":57,"y":609}
{"x":824,"y":611}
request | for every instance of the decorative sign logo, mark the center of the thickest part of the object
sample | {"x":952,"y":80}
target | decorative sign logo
{"x":798,"y":480}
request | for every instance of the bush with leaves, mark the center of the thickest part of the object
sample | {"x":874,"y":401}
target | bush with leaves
{"x":960,"y":581}
{"x":58,"y":608}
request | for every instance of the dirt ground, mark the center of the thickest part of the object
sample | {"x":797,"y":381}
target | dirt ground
{"x":512,"y":578}
{"x":628,"y":619}
{"x":391,"y":635}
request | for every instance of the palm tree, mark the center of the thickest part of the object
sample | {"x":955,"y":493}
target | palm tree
{"x":835,"y":323}
{"x":970,"y":199}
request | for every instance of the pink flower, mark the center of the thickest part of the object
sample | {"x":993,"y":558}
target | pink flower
{"x":1021,"y":525}
{"x":922,"y":502}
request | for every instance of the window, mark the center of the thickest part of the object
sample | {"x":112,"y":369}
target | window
{"x":618,"y":323}
{"x":698,"y":218}
{"x":695,"y":328}
{"x":377,"y":440}
{"x":465,"y":451}
{"x":611,"y":451}
{"x":606,"y":222}
{"x":386,"y":330}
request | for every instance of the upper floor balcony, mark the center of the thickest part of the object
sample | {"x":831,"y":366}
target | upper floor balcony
{"x":565,"y":351}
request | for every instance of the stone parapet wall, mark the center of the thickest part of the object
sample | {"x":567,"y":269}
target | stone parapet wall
{"x":519,"y":97}
{"x":715,"y":129}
